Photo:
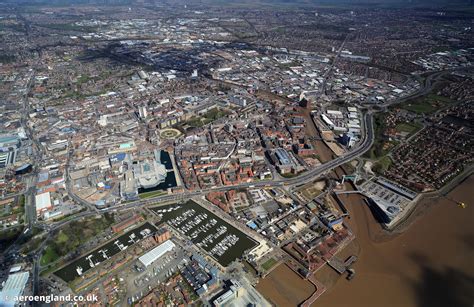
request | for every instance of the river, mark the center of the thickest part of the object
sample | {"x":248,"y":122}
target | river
{"x":429,"y":264}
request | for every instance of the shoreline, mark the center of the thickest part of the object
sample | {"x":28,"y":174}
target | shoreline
{"x":415,"y":210}
{"x":379,"y":249}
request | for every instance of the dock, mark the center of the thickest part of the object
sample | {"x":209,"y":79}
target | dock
{"x":340,"y":266}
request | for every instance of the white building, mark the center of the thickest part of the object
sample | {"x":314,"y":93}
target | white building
{"x":156,"y":253}
{"x":13,"y":287}
{"x":43,"y":202}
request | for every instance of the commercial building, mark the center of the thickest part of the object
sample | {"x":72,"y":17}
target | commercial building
{"x":201,"y":275}
{"x":156,"y":253}
{"x":150,"y":174}
{"x":9,"y":145}
{"x":13,"y":287}
{"x":236,"y":290}
{"x":43,"y":203}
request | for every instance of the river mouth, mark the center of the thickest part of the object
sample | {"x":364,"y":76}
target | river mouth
{"x":429,"y":264}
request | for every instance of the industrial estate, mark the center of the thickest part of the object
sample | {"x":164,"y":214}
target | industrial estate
{"x":175,"y":153}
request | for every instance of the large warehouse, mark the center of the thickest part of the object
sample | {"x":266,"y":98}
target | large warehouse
{"x":156,"y":253}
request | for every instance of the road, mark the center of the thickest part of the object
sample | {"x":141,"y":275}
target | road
{"x":306,"y":177}
{"x":310,"y":175}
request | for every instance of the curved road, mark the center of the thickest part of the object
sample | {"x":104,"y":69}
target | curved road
{"x":306,"y":177}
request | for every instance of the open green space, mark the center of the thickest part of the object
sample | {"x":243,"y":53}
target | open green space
{"x":377,"y":149}
{"x":426,"y":104}
{"x":83,"y":79}
{"x":7,"y":237}
{"x":409,"y":128}
{"x":49,"y":255}
{"x":270,"y":263}
{"x":32,"y":244}
{"x":169,"y":133}
{"x":6,"y":58}
{"x":382,"y":164}
{"x":209,"y":117}
{"x":310,"y":191}
{"x":74,"y":234}
{"x":289,"y":175}
{"x":151,"y":194}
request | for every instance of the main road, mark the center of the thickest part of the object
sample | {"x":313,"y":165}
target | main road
{"x":306,"y":177}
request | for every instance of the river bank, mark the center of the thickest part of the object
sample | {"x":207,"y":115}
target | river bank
{"x":428,"y":264}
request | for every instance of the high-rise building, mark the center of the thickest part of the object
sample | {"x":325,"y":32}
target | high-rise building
{"x":142,"y":112}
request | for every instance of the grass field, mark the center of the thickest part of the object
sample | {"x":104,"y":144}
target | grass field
{"x":209,"y":117}
{"x":67,"y":27}
{"x":409,"y":128}
{"x":169,"y":133}
{"x":377,"y":150}
{"x":49,"y":255}
{"x":312,"y":190}
{"x":382,"y":165}
{"x":427,"y":104}
{"x":74,"y":235}
{"x":151,"y":194}
{"x":270,"y":263}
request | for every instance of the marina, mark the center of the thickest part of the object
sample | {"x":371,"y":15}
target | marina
{"x":78,"y":267}
{"x":221,"y":240}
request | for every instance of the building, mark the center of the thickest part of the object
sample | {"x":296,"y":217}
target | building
{"x":7,"y":157}
{"x":13,"y":287}
{"x":236,"y":290}
{"x":162,"y":235}
{"x":150,"y":174}
{"x":200,"y":275}
{"x":156,"y":253}
{"x":127,"y":223}
{"x":327,"y":121}
{"x":43,"y":203}
{"x":9,"y":145}
{"x":128,"y":188}
{"x":142,"y":112}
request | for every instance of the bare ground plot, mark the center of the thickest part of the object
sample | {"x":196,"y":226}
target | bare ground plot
{"x":283,"y":287}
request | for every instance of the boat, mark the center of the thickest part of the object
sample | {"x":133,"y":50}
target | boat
{"x":104,"y":253}
{"x":79,"y":270}
{"x":91,"y":263}
{"x":145,"y":232}
{"x":120,"y":245}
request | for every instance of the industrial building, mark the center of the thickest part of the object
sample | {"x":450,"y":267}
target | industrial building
{"x":156,"y":253}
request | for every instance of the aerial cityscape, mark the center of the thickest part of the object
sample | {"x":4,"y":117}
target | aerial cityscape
{"x":236,"y":153}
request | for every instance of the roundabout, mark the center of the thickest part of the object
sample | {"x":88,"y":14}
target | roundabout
{"x":169,"y":133}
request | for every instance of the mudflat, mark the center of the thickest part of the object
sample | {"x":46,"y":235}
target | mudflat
{"x":283,"y":287}
{"x":429,"y":264}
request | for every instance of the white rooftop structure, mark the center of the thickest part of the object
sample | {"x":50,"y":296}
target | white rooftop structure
{"x":43,"y":202}
{"x":15,"y":269}
{"x":156,"y":253}
{"x":13,"y":287}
